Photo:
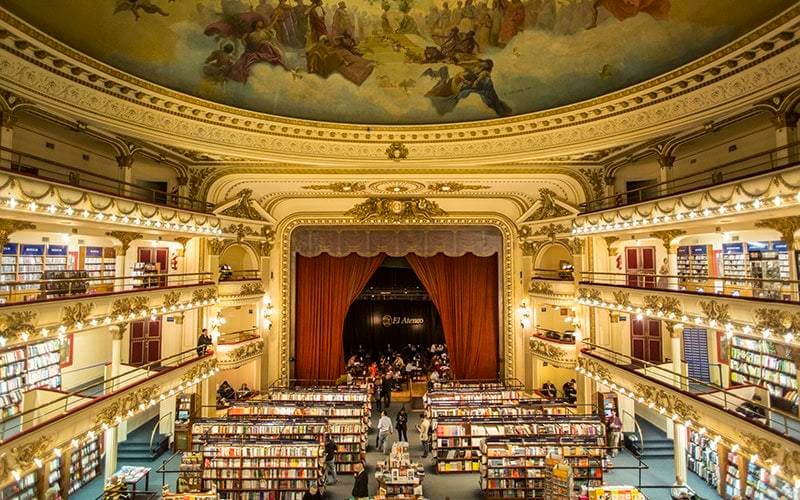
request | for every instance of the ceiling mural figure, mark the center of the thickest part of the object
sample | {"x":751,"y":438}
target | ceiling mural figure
{"x":397,"y":61}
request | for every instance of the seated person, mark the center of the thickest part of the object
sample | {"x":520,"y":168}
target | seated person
{"x":570,"y":391}
{"x":753,"y":410}
{"x":549,"y":390}
{"x":225,"y":393}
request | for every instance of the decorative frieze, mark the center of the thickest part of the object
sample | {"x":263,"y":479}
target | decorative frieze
{"x":714,"y":310}
{"x":787,"y":226}
{"x":128,"y":307}
{"x":204,"y":294}
{"x":243,"y":208}
{"x":667,"y":236}
{"x":17,"y":325}
{"x":539,"y":287}
{"x":10,"y":226}
{"x":199,"y":369}
{"x":125,"y":238}
{"x":339,"y":187}
{"x":667,"y":305}
{"x":26,"y":455}
{"x":454,"y":187}
{"x":171,"y":299}
{"x":76,"y":313}
{"x":551,"y":230}
{"x":562,"y":357}
{"x":127,"y":405}
{"x":671,"y":403}
{"x":548,"y":207}
{"x":395,"y":210}
{"x":591,"y":294}
{"x":592,"y":367}
{"x":252,"y":288}
{"x":622,"y":298}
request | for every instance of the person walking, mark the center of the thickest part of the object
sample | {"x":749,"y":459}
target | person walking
{"x":361,"y":484}
{"x":384,"y":431}
{"x":330,"y":460}
{"x":386,"y":390}
{"x":614,"y":425}
{"x":424,"y":429}
{"x":401,"y":424}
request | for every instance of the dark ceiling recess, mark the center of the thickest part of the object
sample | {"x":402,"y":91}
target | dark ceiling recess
{"x":394,"y":280}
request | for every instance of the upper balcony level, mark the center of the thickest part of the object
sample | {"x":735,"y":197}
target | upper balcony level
{"x":33,"y":189}
{"x":751,"y":189}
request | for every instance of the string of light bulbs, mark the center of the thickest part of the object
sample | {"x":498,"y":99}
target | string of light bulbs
{"x":100,"y":216}
{"x":692,"y":214}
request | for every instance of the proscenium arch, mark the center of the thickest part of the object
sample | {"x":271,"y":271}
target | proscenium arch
{"x":285,"y":303}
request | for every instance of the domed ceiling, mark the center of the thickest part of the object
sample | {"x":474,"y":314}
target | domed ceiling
{"x":396,"y":61}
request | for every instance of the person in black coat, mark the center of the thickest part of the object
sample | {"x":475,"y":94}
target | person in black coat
{"x":312,"y":493}
{"x":203,"y":341}
{"x":361,"y":485}
{"x":401,"y":424}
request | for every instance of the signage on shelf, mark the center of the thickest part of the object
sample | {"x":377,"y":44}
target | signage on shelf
{"x":32,"y":250}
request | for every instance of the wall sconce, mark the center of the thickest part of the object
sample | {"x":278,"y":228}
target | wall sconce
{"x":214,"y":324}
{"x":524,"y":316}
{"x":266,"y":312}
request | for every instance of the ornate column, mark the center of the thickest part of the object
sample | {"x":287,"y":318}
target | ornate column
{"x":679,"y":440}
{"x":111,"y":435}
{"x":214,"y":247}
{"x":666,"y":238}
{"x":125,"y":163}
{"x":675,"y":337}
{"x":665,"y":173}
{"x":125,"y":238}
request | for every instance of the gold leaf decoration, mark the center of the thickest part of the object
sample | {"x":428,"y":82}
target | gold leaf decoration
{"x":124,"y":307}
{"x":171,"y":299}
{"x":622,"y":298}
{"x":240,"y":230}
{"x":453,"y":187}
{"x":24,"y":455}
{"x":714,"y":310}
{"x":339,"y":187}
{"x":667,"y":236}
{"x":548,"y":208}
{"x":77,"y":313}
{"x":199,"y":369}
{"x":786,"y":226}
{"x":10,"y":226}
{"x":666,"y":304}
{"x":589,"y":294}
{"x":252,"y":288}
{"x":551,"y":230}
{"x":672,"y":404}
{"x":125,"y":238}
{"x":539,"y":287}
{"x":243,"y":208}
{"x":246,"y":351}
{"x":14,"y":324}
{"x":215,"y":246}
{"x":204,"y":294}
{"x":594,"y":367}
{"x":397,"y":151}
{"x":395,"y":210}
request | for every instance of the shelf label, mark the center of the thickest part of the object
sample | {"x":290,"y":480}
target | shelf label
{"x":32,"y":250}
{"x":59,"y":250}
{"x":10,"y":249}
{"x":94,"y":251}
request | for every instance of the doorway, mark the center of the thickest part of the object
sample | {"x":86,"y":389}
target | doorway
{"x":145,"y":344}
{"x":640,"y":267}
{"x":646,"y":340}
{"x":159,"y":256}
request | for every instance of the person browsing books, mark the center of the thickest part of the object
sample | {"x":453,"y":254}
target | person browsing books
{"x":330,"y":462}
{"x":384,"y":430}
{"x":424,"y":429}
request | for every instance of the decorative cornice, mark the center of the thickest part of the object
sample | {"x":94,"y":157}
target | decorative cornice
{"x":339,"y":187}
{"x":548,"y":208}
{"x":125,"y":238}
{"x":243,"y":208}
{"x":44,"y":67}
{"x":551,"y":230}
{"x":395,"y":210}
{"x":204,"y":294}
{"x":593,"y":367}
{"x":199,"y":369}
{"x":715,"y":310}
{"x":454,"y":187}
{"x":130,"y":402}
{"x":555,"y":355}
{"x":590,"y":294}
{"x":622,"y":298}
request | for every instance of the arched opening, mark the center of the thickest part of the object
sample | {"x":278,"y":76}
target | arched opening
{"x":237,"y":262}
{"x":553,"y":256}
{"x":393,"y":311}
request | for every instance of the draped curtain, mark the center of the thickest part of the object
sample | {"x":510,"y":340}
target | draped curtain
{"x":464,"y":290}
{"x":326,"y":286}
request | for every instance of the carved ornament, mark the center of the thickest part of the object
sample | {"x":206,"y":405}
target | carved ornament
{"x":243,"y":208}
{"x":776,"y":320}
{"x":590,"y":294}
{"x":787,"y":226}
{"x":551,"y":230}
{"x":667,"y":236}
{"x":24,"y":455}
{"x":215,"y":246}
{"x":339,"y":187}
{"x":622,"y":298}
{"x":596,"y":180}
{"x":240,"y":230}
{"x":395,"y":210}
{"x":397,"y":151}
{"x":454,"y":187}
{"x":246,"y":352}
{"x":128,"y":402}
{"x":593,"y":367}
{"x":610,"y":240}
{"x":671,"y":403}
{"x":129,"y":305}
{"x":550,"y":353}
{"x":171,"y":299}
{"x":539,"y":287}
{"x":714,"y":310}
{"x":199,"y":370}
{"x":77,"y":313}
{"x":548,"y":208}
{"x":15,"y":324}
{"x":125,"y":238}
{"x":9,"y":226}
{"x":204,"y":294}
{"x":669,"y":305}
{"x":252,"y":288}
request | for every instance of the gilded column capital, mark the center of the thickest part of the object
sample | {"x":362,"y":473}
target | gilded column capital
{"x":117,"y":331}
{"x":787,"y":226}
{"x":125,"y":238}
{"x":667,"y":236}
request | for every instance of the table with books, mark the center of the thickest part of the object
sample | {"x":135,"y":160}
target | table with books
{"x":399,"y":477}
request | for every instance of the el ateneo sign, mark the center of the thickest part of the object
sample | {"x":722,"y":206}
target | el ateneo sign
{"x":388,"y":320}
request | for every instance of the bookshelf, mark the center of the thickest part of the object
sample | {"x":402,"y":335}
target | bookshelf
{"x":54,"y":476}
{"x":493,"y":411}
{"x":733,"y":465}
{"x":185,"y":411}
{"x":282,"y":469}
{"x":475,"y":397}
{"x":24,"y":489}
{"x":212,"y":431}
{"x":25,"y":368}
{"x":703,"y":458}
{"x":734,"y":265}
{"x":12,"y":373}
{"x":457,"y":442}
{"x":768,"y":364}
{"x":694,"y":263}
{"x":346,"y":422}
{"x":615,"y":493}
{"x":763,"y":485}
{"x":558,"y":484}
{"x":98,"y":262}
{"x":190,"y":475}
{"x":398,"y":477}
{"x":518,"y":467}
{"x":84,"y":463}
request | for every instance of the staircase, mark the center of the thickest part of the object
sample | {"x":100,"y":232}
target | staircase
{"x":656,"y":444}
{"x":137,"y":446}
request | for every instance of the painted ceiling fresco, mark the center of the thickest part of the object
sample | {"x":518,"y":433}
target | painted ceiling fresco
{"x":396,"y":61}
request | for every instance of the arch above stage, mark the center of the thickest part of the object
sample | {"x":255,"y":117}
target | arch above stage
{"x":453,"y":241}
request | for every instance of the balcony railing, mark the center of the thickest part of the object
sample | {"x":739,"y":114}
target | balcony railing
{"x":724,"y":286}
{"x":241,"y":275}
{"x":29,"y":165}
{"x":565,"y":338}
{"x":45,"y":414}
{"x":553,"y":274}
{"x":728,"y":400}
{"x":758,"y":163}
{"x":82,"y":283}
{"x":239,"y":337}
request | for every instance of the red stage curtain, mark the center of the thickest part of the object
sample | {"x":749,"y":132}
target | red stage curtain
{"x":326,"y":286}
{"x":464,"y":290}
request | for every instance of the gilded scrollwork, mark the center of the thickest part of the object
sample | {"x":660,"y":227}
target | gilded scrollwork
{"x":776,"y":320}
{"x":199,"y":370}
{"x":714,"y":310}
{"x":539,"y":287}
{"x":10,"y":226}
{"x":672,"y":403}
{"x":454,"y":187}
{"x":76,"y":313}
{"x":550,"y":353}
{"x":243,"y":353}
{"x":668,"y":305}
{"x":395,"y":210}
{"x":202,"y":294}
{"x":592,"y":366}
{"x":171,"y":299}
{"x":215,"y":246}
{"x":787,"y":226}
{"x":551,"y":230}
{"x":129,"y":305}
{"x":548,"y":207}
{"x":128,"y":402}
{"x":622,"y":298}
{"x":667,"y":236}
{"x":125,"y":238}
{"x":592,"y":294}
{"x":339,"y":187}
{"x":15,"y":324}
{"x":25,"y":455}
{"x":252,"y":288}
{"x":243,"y":208}
{"x":240,"y":230}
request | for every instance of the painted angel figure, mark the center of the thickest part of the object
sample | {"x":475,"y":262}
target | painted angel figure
{"x":136,"y":5}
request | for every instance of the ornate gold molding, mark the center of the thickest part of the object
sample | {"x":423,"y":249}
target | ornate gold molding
{"x":129,"y":305}
{"x":548,"y":208}
{"x":589,"y":294}
{"x":76,"y":313}
{"x":667,"y":236}
{"x":17,"y":324}
{"x":776,"y":320}
{"x":610,"y":240}
{"x":622,"y":298}
{"x":597,"y":181}
{"x":252,"y":288}
{"x":215,"y":246}
{"x":199,"y":369}
{"x":551,"y":353}
{"x":202,"y":294}
{"x":551,"y":230}
{"x":243,"y":353}
{"x":25,"y":455}
{"x":240,"y":230}
{"x":669,"y":305}
{"x":339,"y":187}
{"x":171,"y":299}
{"x":594,"y":367}
{"x":672,"y":404}
{"x":454,"y":187}
{"x":125,"y":238}
{"x":9,"y":226}
{"x":119,"y":409}
{"x":243,"y":208}
{"x":395,"y":210}
{"x":397,"y":151}
{"x":787,"y":226}
{"x":539,"y":287}
{"x":714,"y":310}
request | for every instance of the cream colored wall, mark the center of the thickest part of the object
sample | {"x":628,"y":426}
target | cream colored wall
{"x":239,"y":318}
{"x":249,"y":373}
{"x":549,"y":317}
{"x":90,"y":349}
{"x":239,"y":257}
{"x":551,"y":257}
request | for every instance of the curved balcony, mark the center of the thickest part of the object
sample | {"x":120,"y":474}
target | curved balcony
{"x":237,"y":348}
{"x":557,"y":348}
{"x":240,"y":287}
{"x":555,"y":284}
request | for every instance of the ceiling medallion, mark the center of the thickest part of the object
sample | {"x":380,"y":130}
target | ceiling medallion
{"x":338,"y":187}
{"x":397,"y":151}
{"x":395,"y":210}
{"x":397,"y":186}
{"x":452,"y":187}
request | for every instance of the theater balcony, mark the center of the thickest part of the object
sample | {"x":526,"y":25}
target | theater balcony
{"x":736,"y":415}
{"x":235,"y":349}
{"x":53,"y":421}
{"x":751,"y":188}
{"x":556,"y":348}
